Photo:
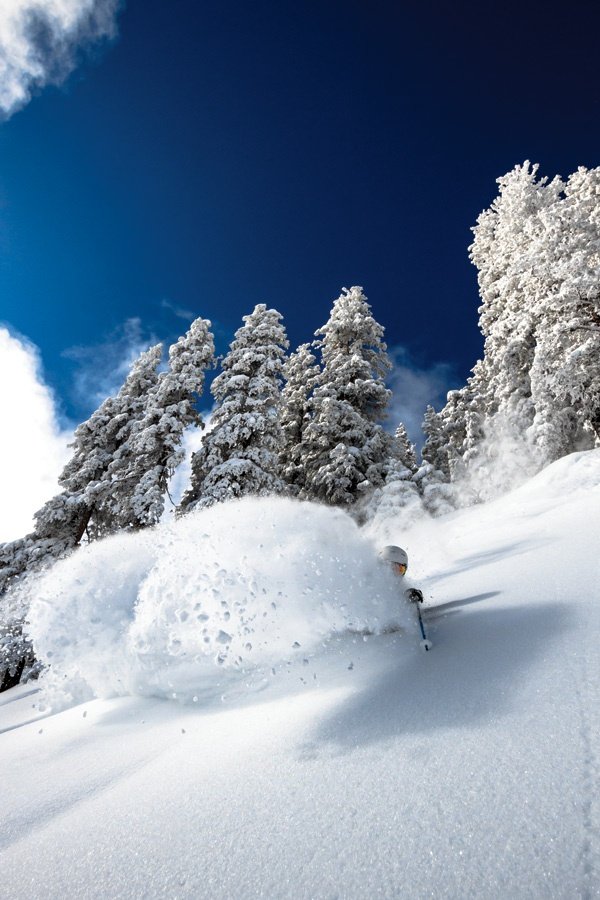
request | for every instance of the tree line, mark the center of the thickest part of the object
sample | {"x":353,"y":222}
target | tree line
{"x":535,"y":395}
{"x":309,"y":424}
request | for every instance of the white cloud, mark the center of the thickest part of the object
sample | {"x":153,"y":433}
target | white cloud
{"x":102,"y":368}
{"x":40,"y":41}
{"x":179,"y":311}
{"x":33,"y":448}
{"x":414,"y":388}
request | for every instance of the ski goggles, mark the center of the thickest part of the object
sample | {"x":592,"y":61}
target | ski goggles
{"x":400,"y":568}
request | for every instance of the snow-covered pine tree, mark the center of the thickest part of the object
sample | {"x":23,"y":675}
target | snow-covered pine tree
{"x":146,"y":462}
{"x":506,"y":251}
{"x":565,"y":374}
{"x":403,"y":450}
{"x":453,"y":425}
{"x":85,"y":506}
{"x":435,"y":452}
{"x":344,"y":447}
{"x":474,"y":404}
{"x":301,"y":373}
{"x":241,"y":453}
{"x":397,"y":502}
{"x":57,"y":531}
{"x":537,"y":251}
{"x":88,"y":474}
{"x":487,"y":424}
{"x":433,"y":475}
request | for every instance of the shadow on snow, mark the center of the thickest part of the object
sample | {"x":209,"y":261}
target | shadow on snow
{"x":468,"y":680}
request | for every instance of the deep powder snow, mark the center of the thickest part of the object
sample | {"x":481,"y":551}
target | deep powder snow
{"x":371,"y":769}
{"x":224,"y":595}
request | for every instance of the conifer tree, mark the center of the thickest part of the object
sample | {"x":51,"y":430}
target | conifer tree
{"x":506,"y":251}
{"x":89,"y":474}
{"x":565,"y":373}
{"x":487,"y":425}
{"x":241,"y":453}
{"x":344,"y":447}
{"x":57,"y":532}
{"x":433,"y":476}
{"x":144,"y":465}
{"x":403,"y":450}
{"x":301,"y":373}
{"x":536,"y":250}
{"x":86,"y":505}
{"x":397,"y":501}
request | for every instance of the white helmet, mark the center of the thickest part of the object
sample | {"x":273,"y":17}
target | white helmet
{"x":394,"y":554}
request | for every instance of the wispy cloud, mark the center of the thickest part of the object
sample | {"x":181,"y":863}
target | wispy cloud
{"x":33,"y":448}
{"x":178,"y":311}
{"x":41,"y":41}
{"x":103,"y":367}
{"x":414,"y":387}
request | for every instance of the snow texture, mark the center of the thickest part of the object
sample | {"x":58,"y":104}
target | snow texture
{"x":373,"y":770}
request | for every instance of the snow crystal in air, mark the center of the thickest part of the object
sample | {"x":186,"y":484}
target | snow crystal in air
{"x":222,"y":594}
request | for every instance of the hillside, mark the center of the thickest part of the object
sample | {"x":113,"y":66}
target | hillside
{"x":274,"y":749}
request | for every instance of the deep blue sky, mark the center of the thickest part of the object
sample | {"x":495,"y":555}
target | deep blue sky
{"x":221,"y":154}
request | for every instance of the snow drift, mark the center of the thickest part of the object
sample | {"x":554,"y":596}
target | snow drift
{"x":223,"y":594}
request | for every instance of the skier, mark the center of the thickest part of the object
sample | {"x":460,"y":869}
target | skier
{"x":398,"y":558}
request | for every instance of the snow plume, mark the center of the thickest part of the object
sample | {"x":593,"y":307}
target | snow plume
{"x":33,"y":448}
{"x":503,"y":461}
{"x":413,"y":388}
{"x":103,"y":367}
{"x":40,"y":41}
{"x":228,"y":595}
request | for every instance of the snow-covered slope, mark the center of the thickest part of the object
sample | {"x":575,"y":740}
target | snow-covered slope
{"x":353,"y":766}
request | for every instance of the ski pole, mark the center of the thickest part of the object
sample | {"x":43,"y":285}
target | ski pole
{"x":425,"y":643}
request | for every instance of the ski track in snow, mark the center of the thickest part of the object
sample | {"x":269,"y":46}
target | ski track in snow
{"x":370,"y":770}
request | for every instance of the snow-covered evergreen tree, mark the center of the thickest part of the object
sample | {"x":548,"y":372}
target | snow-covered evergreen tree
{"x":433,"y":475}
{"x":536,"y":394}
{"x":86,"y":501}
{"x":241,"y":453}
{"x":509,"y":403}
{"x":301,"y":373}
{"x":506,"y":251}
{"x":344,"y":447}
{"x":397,"y":503}
{"x":145,"y":463}
{"x":89,"y":474}
{"x":453,"y":426}
{"x":123,"y":456}
{"x":435,"y":452}
{"x":565,"y":373}
{"x":17,"y":661}
{"x":461,"y":429}
{"x":403,"y":450}
{"x":57,"y":532}
{"x":86,"y":506}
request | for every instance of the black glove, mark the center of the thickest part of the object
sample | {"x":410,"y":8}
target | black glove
{"x":414,"y":595}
